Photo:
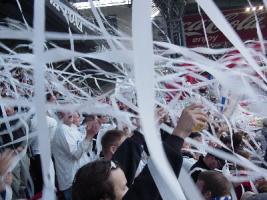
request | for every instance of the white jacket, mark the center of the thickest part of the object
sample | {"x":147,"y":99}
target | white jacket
{"x":68,"y":150}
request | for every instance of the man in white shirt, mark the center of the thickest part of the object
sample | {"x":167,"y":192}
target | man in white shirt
{"x":68,"y":149}
{"x":81,"y":134}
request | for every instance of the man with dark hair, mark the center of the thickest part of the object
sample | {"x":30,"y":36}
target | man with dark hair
{"x":99,"y":176}
{"x":209,"y":162}
{"x":111,"y":141}
{"x":196,"y":136}
{"x":214,"y":186}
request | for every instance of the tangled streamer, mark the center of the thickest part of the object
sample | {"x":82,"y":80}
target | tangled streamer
{"x":229,"y":82}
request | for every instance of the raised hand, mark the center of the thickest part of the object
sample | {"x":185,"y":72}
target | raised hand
{"x":191,"y":117}
{"x":92,"y":128}
{"x":5,"y":160}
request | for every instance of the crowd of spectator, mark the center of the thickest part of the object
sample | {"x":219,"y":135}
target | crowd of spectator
{"x":92,"y":157}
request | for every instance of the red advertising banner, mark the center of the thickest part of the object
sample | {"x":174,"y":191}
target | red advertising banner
{"x":243,"y":22}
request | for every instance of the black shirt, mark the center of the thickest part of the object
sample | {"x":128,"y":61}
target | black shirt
{"x":144,"y":187}
{"x":198,"y":167}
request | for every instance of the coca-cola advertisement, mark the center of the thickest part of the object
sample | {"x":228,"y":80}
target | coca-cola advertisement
{"x":243,"y":22}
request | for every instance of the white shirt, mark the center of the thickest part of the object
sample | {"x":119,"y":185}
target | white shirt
{"x":188,"y":163}
{"x":80,"y":137}
{"x":68,"y":150}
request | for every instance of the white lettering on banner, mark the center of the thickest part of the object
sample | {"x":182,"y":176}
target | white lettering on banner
{"x":69,"y":14}
{"x":193,"y":28}
{"x":249,"y":23}
{"x":202,"y":39}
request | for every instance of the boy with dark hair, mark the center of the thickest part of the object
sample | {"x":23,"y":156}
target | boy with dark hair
{"x":111,"y":141}
{"x":214,"y":186}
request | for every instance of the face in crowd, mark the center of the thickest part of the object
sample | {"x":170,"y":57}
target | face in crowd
{"x":100,"y":179}
{"x":68,"y":118}
{"x":76,"y":118}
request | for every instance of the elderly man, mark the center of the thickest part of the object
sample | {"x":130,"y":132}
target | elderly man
{"x":68,"y":150}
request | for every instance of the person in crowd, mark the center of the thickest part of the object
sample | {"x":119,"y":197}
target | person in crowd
{"x":68,"y":149}
{"x":11,"y":133}
{"x":51,"y":98}
{"x":35,"y":159}
{"x":189,"y":158}
{"x":6,"y":158}
{"x":81,"y":135}
{"x":227,"y":141}
{"x":132,"y":156}
{"x":106,"y":125}
{"x":214,"y":186}
{"x":111,"y":141}
{"x":238,"y":141}
{"x":103,"y":179}
{"x":87,"y":121}
{"x":243,"y":186}
{"x":209,"y":162}
{"x":196,"y":136}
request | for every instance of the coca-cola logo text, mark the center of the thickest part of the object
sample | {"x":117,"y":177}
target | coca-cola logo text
{"x":239,"y":21}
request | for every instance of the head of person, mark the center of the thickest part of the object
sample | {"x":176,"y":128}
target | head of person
{"x":227,"y":141}
{"x":186,"y":146}
{"x":10,"y":110}
{"x":76,"y":118}
{"x":213,"y":184}
{"x":99,"y":180}
{"x":196,"y":136}
{"x":238,"y":140}
{"x":66,"y":117}
{"x":50,"y":97}
{"x":213,"y":162}
{"x":89,"y":119}
{"x":111,"y":141}
{"x":102,"y":119}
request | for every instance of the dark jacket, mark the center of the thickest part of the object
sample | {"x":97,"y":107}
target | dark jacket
{"x":144,"y":187}
{"x":129,"y":155}
{"x":198,"y":167}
